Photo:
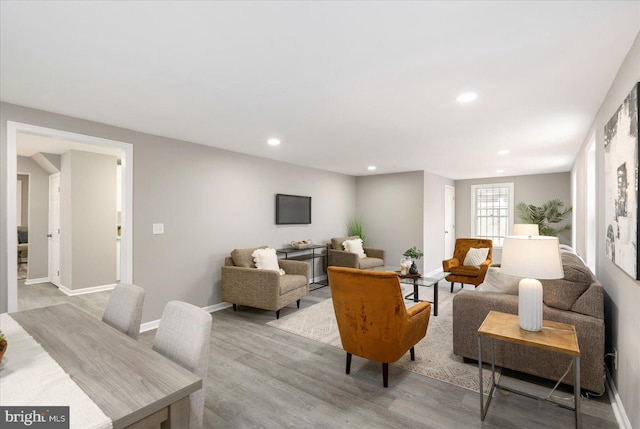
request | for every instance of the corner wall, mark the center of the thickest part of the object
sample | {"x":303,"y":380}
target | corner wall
{"x":210,"y":200}
{"x":622,"y":298}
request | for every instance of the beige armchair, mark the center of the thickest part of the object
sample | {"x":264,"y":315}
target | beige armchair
{"x":337,"y":256}
{"x":244,"y":284}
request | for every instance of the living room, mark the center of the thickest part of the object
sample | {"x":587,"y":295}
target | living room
{"x":212,"y":200}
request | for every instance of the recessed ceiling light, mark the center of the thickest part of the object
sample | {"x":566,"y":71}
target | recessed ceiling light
{"x":273,"y":142}
{"x":466,"y":97}
{"x":503,"y":152}
{"x":371,"y":167}
{"x":500,"y":171}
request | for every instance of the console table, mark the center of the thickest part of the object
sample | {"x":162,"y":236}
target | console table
{"x":304,"y":254}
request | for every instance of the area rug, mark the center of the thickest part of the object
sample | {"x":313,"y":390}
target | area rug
{"x":434,"y":354}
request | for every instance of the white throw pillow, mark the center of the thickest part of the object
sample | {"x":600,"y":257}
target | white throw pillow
{"x":496,"y":281}
{"x":354,"y":246}
{"x":266,"y":259}
{"x":475,"y":257}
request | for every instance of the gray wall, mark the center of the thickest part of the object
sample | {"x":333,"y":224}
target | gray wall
{"x":23,"y":219}
{"x":532,"y":189}
{"x":211,"y":201}
{"x":622,"y":299}
{"x":88,"y":220}
{"x":391,"y":208}
{"x":38,"y":217}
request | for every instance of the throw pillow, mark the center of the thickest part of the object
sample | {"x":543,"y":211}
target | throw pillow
{"x":266,"y":259}
{"x":475,"y":257}
{"x":243,"y":258}
{"x":354,"y":246}
{"x":336,"y":243}
{"x":496,"y":281}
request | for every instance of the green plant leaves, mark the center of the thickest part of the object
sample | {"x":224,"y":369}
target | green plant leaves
{"x":551,"y":212}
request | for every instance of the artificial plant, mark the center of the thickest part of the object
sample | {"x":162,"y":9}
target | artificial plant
{"x":356,"y":227}
{"x":546,"y":216}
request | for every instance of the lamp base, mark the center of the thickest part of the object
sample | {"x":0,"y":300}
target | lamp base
{"x":530,"y":305}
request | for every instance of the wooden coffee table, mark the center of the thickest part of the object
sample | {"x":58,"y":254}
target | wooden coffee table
{"x":558,"y":337}
{"x":417,"y":280}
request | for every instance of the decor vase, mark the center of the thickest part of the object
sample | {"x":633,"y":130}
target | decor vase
{"x":414,"y":268}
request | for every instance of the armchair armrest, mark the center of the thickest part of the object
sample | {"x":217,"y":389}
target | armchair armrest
{"x":447,"y":264}
{"x":375,"y":253}
{"x":241,"y":278}
{"x":294,"y":267}
{"x":341,"y":258}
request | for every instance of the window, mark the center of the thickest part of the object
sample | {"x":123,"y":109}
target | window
{"x":492,"y":211}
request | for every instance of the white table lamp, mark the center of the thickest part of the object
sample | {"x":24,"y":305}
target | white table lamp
{"x":528,"y":229}
{"x":531,"y":257}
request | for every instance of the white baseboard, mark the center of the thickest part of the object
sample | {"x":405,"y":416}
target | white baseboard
{"x":148,"y":326}
{"x":318,"y":279}
{"x":434,"y":273}
{"x":74,"y":292}
{"x":616,"y":403}
{"x":36,"y":281}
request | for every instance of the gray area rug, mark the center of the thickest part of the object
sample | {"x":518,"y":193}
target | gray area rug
{"x":434,"y":354}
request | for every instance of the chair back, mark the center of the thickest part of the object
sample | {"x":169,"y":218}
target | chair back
{"x":336,"y":242}
{"x":124,"y":309}
{"x":464,"y":244}
{"x":183,"y":336}
{"x":370,"y":311}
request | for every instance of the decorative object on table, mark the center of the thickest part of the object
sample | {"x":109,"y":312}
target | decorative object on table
{"x":621,"y":185}
{"x":405,"y":263}
{"x":546,"y":216}
{"x":3,"y":345}
{"x":415,"y":254}
{"x":303,"y":244}
{"x":355,"y":226}
{"x":532,"y":258}
{"x":527,"y":229}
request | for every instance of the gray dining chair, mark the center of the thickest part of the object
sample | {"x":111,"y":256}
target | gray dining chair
{"x":183,"y":336}
{"x":124,"y":309}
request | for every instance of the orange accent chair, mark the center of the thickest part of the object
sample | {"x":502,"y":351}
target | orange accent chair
{"x":465,"y":273}
{"x":372,"y":317}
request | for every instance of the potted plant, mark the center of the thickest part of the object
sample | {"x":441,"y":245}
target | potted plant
{"x":3,"y":345}
{"x":415,"y":254}
{"x":356,"y":227}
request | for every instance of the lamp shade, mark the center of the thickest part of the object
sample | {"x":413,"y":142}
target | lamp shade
{"x":537,"y":257}
{"x":531,"y":257}
{"x":528,"y":229}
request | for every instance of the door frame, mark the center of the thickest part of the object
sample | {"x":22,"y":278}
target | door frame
{"x":126,"y":255}
{"x":50,"y":241}
{"x":452,"y":233}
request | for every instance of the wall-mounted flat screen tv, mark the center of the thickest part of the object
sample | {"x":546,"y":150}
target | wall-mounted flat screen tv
{"x":292,"y":209}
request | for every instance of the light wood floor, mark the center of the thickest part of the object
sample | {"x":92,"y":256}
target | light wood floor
{"x":263,"y":377}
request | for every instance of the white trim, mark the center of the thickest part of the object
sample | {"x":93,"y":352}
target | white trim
{"x":126,"y":255}
{"x":616,"y":402}
{"x":86,"y":290}
{"x":433,"y":273}
{"x":511,"y":206}
{"x":36,"y":281}
{"x":315,"y":279}
{"x":149,"y":326}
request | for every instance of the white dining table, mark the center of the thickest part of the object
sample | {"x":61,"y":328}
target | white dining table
{"x":128,"y":382}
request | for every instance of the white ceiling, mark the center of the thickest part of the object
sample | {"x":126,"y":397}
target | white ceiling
{"x":344,"y":85}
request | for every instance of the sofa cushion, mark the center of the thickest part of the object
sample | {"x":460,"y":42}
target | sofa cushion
{"x":290,"y":282}
{"x":563,"y":293}
{"x":496,"y":281}
{"x":354,"y":246}
{"x":465,"y":270}
{"x":366,"y":263}
{"x":475,"y":257}
{"x":266,"y":259}
{"x":336,"y":243}
{"x":243,"y":258}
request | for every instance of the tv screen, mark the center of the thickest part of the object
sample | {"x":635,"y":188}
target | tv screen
{"x":292,"y":209}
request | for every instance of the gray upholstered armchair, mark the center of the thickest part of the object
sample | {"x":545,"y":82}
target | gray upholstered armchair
{"x":337,"y":256}
{"x":244,"y":284}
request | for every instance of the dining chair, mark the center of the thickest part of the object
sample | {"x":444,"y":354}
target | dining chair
{"x":183,"y":336}
{"x":124,"y":309}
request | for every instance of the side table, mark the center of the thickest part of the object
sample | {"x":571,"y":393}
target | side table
{"x":554,"y":336}
{"x":307,"y":253}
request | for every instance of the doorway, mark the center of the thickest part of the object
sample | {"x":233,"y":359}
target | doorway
{"x":126,"y":219}
{"x":449,"y":220}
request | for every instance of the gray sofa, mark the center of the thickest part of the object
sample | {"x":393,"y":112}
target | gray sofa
{"x":244,"y":284}
{"x":576,"y":300}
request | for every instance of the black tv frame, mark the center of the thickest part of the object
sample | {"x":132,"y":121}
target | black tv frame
{"x":282,"y":219}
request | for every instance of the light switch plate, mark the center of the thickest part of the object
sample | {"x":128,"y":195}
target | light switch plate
{"x":158,"y":228}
